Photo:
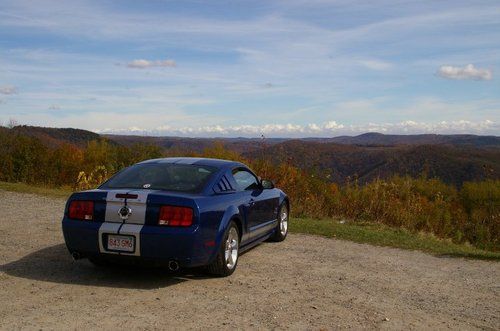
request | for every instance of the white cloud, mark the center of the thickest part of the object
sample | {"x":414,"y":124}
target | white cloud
{"x":467,"y":72}
{"x":313,"y":127}
{"x":327,"y":129}
{"x":332,"y":125}
{"x":443,"y":127}
{"x":143,"y":64}
{"x":8,"y":89}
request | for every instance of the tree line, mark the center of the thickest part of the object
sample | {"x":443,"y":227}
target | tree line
{"x":467,"y":214}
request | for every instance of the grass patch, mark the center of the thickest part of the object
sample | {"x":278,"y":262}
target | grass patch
{"x":62,"y":192}
{"x":381,"y":235}
{"x":366,"y":233}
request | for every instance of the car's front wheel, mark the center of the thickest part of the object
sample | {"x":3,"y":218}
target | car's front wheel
{"x":227,"y":257}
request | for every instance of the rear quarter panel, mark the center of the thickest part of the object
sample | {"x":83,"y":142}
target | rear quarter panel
{"x":217,"y":211}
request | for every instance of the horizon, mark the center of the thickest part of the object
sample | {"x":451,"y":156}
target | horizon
{"x":282,"y":69}
{"x":149,"y":135}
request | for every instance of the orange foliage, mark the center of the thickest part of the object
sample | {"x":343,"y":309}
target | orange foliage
{"x":469,"y":215}
{"x":421,"y":204}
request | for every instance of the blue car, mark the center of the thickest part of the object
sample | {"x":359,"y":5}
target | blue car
{"x":178,"y":212}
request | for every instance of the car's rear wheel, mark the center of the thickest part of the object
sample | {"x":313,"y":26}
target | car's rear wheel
{"x":227,"y":257}
{"x":282,"y":227}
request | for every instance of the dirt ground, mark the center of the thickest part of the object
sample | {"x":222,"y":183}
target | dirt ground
{"x":305,"y":282}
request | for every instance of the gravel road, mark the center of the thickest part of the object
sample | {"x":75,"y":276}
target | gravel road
{"x":306,"y":282}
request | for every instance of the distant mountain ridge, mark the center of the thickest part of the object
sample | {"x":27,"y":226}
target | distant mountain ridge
{"x":79,"y":137}
{"x":239,"y":145}
{"x":57,"y":136}
{"x":374,"y":138}
{"x":451,"y":158}
{"x":367,"y":139}
{"x":342,"y":163}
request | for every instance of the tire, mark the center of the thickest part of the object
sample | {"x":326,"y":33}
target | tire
{"x":227,"y":258}
{"x":281,"y":230}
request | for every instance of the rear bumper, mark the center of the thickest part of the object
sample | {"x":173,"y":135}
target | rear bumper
{"x":154,"y":244}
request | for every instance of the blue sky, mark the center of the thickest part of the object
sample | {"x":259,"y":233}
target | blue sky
{"x":290,"y":68}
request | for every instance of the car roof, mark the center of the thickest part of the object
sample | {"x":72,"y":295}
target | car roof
{"x":218,"y":163}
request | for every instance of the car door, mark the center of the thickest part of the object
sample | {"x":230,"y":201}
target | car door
{"x":259,"y":219}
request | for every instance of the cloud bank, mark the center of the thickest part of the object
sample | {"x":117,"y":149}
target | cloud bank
{"x":143,"y":64}
{"x":327,"y":129}
{"x":8,"y":89}
{"x":467,"y":72}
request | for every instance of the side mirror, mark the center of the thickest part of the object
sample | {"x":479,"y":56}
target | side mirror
{"x":267,"y":184}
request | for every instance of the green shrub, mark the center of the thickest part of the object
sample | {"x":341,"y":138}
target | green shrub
{"x":471,"y":214}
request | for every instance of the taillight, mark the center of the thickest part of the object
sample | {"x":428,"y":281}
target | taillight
{"x":175,"y":216}
{"x":81,"y":210}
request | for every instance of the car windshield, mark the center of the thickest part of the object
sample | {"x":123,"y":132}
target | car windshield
{"x":162,"y":176}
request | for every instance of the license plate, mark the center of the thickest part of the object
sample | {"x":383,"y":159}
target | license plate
{"x":121,"y":243}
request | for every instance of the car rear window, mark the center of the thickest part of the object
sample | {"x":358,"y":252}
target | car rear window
{"x":162,"y":176}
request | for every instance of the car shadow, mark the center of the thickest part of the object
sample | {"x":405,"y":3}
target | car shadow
{"x":54,"y":264}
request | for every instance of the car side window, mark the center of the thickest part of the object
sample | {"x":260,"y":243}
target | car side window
{"x":245,"y":180}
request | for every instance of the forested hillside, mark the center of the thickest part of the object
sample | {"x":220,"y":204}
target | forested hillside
{"x":398,"y":186}
{"x":196,"y":145}
{"x":57,"y":136}
{"x":343,"y":163}
{"x":380,"y":139}
{"x":453,"y":159}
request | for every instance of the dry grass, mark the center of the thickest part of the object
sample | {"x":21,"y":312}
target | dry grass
{"x":63,"y":192}
{"x":361,"y":232}
{"x":381,"y":235}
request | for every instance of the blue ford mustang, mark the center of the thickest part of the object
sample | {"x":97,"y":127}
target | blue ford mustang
{"x":181,"y":212}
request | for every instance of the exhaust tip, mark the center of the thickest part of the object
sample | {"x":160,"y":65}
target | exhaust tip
{"x":76,"y":256}
{"x":173,"y":265}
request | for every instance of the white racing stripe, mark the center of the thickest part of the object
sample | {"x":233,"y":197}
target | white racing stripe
{"x":108,"y":228}
{"x":113,"y":224}
{"x":135,"y":230}
{"x":138,"y":206}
